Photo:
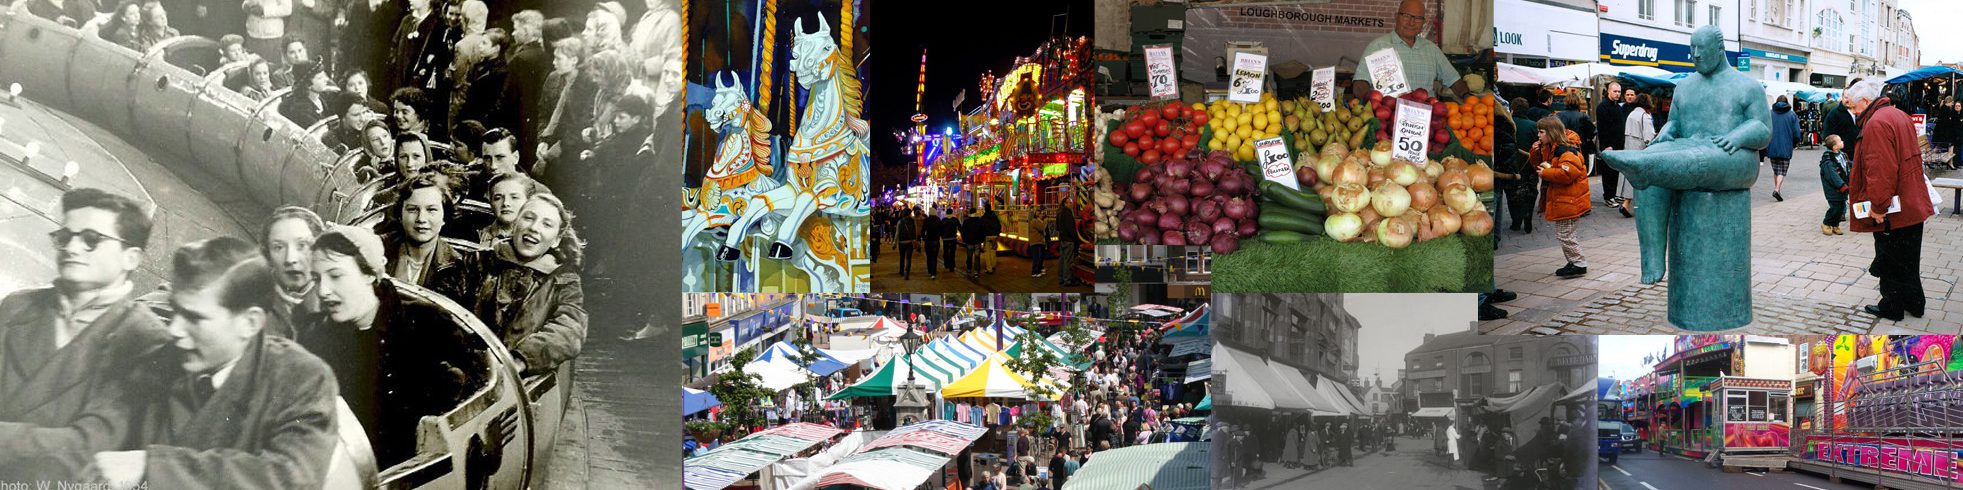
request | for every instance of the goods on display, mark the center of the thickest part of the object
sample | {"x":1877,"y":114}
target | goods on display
{"x":1191,"y":200}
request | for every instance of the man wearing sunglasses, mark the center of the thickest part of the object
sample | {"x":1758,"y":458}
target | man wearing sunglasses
{"x":1423,"y":62}
{"x":64,"y":346}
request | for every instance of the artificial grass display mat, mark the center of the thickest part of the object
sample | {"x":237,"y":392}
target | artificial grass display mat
{"x":1453,"y":264}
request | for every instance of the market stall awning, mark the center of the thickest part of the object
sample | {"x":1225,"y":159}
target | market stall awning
{"x":901,"y":460}
{"x":725,"y":465}
{"x":1582,"y":75}
{"x":695,"y":401}
{"x":1525,"y":75}
{"x":778,"y":375}
{"x":994,"y":380}
{"x":1926,"y":72}
{"x":1340,"y":394}
{"x":1195,"y":324}
{"x":1205,"y":403}
{"x":1433,"y":412}
{"x":823,"y":365}
{"x":1190,"y":345}
{"x":1153,"y":310}
{"x":1293,"y":379}
{"x":1525,"y":409}
{"x":1199,"y":370}
{"x":1163,"y":466}
{"x":1251,"y":383}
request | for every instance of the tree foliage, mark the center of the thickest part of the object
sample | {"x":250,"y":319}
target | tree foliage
{"x":740,"y":391}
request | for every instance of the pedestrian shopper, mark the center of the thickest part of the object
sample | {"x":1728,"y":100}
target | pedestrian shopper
{"x":1840,"y":121}
{"x":1565,"y":199}
{"x":1611,"y":114}
{"x":1833,"y":185}
{"x":1575,"y":118}
{"x":950,"y":233}
{"x":1887,"y":168}
{"x":905,"y":234}
{"x":1039,"y":242}
{"x":1345,"y":440}
{"x":1785,"y":134}
{"x":930,"y":242}
{"x":1521,"y":198}
{"x":974,"y":234}
{"x":1059,"y":469}
{"x":1067,"y":239}
{"x":1639,"y":129}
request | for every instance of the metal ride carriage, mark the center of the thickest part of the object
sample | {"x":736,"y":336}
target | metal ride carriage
{"x":170,"y":101}
{"x":1888,"y":411}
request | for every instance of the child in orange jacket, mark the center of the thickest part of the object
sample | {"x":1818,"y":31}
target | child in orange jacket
{"x":1564,"y":197}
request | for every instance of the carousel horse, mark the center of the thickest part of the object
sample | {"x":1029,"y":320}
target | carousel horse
{"x":738,"y":192}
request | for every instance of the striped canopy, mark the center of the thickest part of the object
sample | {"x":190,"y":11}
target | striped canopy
{"x":992,"y":379}
{"x":935,"y":365}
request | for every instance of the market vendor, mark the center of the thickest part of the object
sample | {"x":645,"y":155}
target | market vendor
{"x":1423,"y":62}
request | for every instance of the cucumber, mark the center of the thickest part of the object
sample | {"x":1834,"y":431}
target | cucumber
{"x":1282,"y":195}
{"x":1283,"y":236}
{"x":1271,"y":220}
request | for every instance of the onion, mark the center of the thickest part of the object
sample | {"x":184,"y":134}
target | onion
{"x":1201,"y":188}
{"x":1477,"y":223}
{"x":1198,"y":232}
{"x":1369,"y":216}
{"x":1351,"y":198}
{"x":1481,"y":177}
{"x":1433,"y":170}
{"x":1342,"y":227}
{"x":1306,"y":177}
{"x":1140,"y":191}
{"x":1461,"y":199}
{"x":1148,"y":237}
{"x":1207,"y":210}
{"x":1423,"y":196}
{"x":1231,"y":185}
{"x":1449,"y":177}
{"x":1444,"y":221}
{"x":1396,"y":232}
{"x":1178,"y":186}
{"x":1178,"y":168}
{"x":1170,"y":222}
{"x":1173,"y":237}
{"x":1128,"y":231}
{"x":1147,"y":174}
{"x":1225,"y":244}
{"x":1325,"y":166}
{"x":1177,"y":204}
{"x":1376,"y":175}
{"x":1380,"y":155}
{"x":1211,"y":169}
{"x":1224,"y":226}
{"x":1403,"y":172}
{"x":1390,"y":199}
{"x":1238,"y":208}
{"x":1454,"y":163}
{"x":1350,"y":173}
{"x":1145,"y":217}
{"x":1247,"y":228}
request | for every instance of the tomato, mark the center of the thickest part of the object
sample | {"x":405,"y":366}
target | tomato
{"x":1150,"y":118}
{"x":1135,"y":129}
{"x":1131,"y":150}
{"x":1118,"y":138}
{"x":1376,"y":97}
{"x":1170,"y":146}
{"x":1164,"y":128}
{"x":1200,"y":117}
{"x":1172,"y":111}
{"x":1150,"y":157}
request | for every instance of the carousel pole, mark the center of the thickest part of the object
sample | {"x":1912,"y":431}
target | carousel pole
{"x":768,"y":58}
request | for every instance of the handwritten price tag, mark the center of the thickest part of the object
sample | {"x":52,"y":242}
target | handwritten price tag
{"x":1275,"y":164}
{"x":1250,"y":70}
{"x":1387,"y":73}
{"x":1158,"y":66}
{"x":1412,"y":138}
{"x":1323,"y":89}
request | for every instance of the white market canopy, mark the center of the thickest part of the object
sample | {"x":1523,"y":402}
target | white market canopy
{"x":901,"y":460}
{"x":779,"y":374}
{"x":1583,"y":74}
{"x":732,"y":462}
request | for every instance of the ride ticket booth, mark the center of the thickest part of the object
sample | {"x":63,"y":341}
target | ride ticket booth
{"x":1750,"y":415}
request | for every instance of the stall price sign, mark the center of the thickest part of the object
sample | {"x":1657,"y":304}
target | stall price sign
{"x":1323,"y":90}
{"x":1387,"y":73}
{"x":1158,"y":64}
{"x":1250,"y":70}
{"x":1412,"y":137}
{"x":1275,"y":164}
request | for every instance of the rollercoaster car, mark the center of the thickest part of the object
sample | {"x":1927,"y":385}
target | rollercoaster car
{"x":166,"y":103}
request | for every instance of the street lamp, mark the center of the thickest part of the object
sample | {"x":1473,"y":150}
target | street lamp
{"x":911,"y":341}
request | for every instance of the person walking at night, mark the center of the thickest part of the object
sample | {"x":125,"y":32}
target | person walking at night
{"x":930,"y":242}
{"x":905,"y":235}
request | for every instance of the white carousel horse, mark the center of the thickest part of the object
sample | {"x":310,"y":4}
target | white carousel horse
{"x":738,"y":192}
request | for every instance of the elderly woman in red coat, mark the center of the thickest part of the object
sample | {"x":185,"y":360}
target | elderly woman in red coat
{"x":1888,"y":169}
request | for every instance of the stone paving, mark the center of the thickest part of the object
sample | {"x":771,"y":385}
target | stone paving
{"x":1803,"y":281}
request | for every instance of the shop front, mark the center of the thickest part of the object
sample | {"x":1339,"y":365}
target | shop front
{"x":1543,"y":35}
{"x":1626,"y":50}
{"x":1776,"y":65}
{"x":1828,"y":69}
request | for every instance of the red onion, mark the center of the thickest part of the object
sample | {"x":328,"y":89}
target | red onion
{"x":1225,"y":244}
{"x":1174,"y":237}
{"x":1211,"y":169}
{"x":1147,"y":174}
{"x":1207,"y":210}
{"x":1238,"y":208}
{"x":1149,"y":238}
{"x":1145,"y":216}
{"x":1128,"y":231}
{"x":1178,"y":187}
{"x":1224,"y":226}
{"x":1198,"y":232}
{"x":1177,"y":204}
{"x":1140,"y":191}
{"x":1247,"y":228}
{"x":1170,"y":222}
{"x":1231,"y":185}
{"x":1178,"y":168}
{"x":1201,"y":188}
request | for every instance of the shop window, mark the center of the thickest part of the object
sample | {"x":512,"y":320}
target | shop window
{"x":1687,"y":13}
{"x":1646,"y":9}
{"x":1712,"y":19}
{"x":1515,"y":353}
{"x":1513,"y":381}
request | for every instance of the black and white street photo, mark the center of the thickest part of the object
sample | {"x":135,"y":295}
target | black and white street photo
{"x":1394,"y":391}
{"x":336,"y":243}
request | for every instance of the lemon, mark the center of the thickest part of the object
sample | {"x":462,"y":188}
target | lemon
{"x":1260,"y":123}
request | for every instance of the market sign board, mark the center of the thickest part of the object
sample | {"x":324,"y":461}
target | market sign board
{"x":1387,"y":73}
{"x":1412,"y":140}
{"x":1635,"y":51}
{"x":1250,"y":71}
{"x":1275,"y":164}
{"x":1323,"y":87}
{"x":1160,"y":71}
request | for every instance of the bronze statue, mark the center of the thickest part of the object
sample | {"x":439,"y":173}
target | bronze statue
{"x":1691,"y":186}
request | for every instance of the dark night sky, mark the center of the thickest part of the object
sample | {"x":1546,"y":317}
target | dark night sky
{"x":961,"y":43}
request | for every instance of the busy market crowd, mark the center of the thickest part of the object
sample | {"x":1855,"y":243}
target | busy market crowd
{"x":477,"y":130}
{"x":1555,"y":142}
{"x":938,"y":233}
{"x":1118,"y":397}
